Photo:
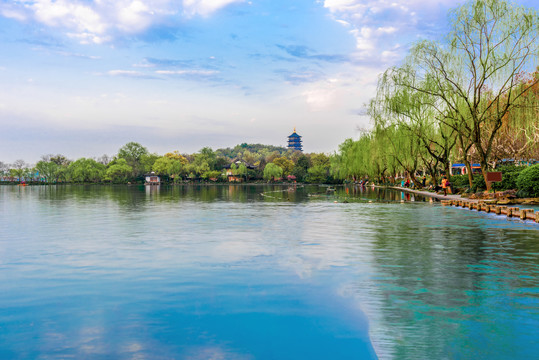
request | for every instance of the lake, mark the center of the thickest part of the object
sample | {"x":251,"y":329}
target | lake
{"x":261,"y":272}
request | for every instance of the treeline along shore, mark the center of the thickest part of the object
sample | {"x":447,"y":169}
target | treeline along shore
{"x":249,"y":163}
{"x":459,"y":109}
{"x":471,"y":99}
{"x":243,"y":163}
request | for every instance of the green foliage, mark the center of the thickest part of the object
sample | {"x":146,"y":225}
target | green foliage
{"x":118,"y":171}
{"x":209,"y":156}
{"x":318,"y":174}
{"x":86,"y":170}
{"x":478,"y":183}
{"x":18,"y":169}
{"x":220,"y":163}
{"x":262,"y":150}
{"x":242,"y":170}
{"x":47,"y":170}
{"x":459,"y":181}
{"x":137,"y":157}
{"x":59,"y":160}
{"x":272,"y":172}
{"x":301,"y":167}
{"x":320,"y":160}
{"x":213,"y":174}
{"x":285,"y":164}
{"x":132,"y":152}
{"x":147,"y":162}
{"x":510,"y":174}
{"x":176,"y":155}
{"x":469,"y":88}
{"x":528,"y":181}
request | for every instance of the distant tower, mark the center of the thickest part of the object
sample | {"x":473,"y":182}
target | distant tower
{"x":294,"y":141}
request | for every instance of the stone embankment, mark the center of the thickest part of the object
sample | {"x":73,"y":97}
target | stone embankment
{"x":523,"y":214}
{"x":479,"y":205}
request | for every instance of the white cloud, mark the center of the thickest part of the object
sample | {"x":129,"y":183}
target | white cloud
{"x":11,"y":12}
{"x":100,"y":21}
{"x":364,"y":40}
{"x":342,"y":5}
{"x":387,"y":30}
{"x":187,"y":72}
{"x":377,"y":25}
{"x":205,"y":7}
{"x":321,"y":96}
{"x":125,"y":73}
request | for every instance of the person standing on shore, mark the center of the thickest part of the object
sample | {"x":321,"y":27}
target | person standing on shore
{"x":445,"y":185}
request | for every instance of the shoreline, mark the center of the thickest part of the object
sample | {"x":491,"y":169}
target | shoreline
{"x":479,"y":205}
{"x":430,"y":194}
{"x":519,"y":202}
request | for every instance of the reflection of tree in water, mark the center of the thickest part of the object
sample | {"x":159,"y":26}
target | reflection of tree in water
{"x":449,"y":286}
{"x":136,"y":197}
{"x":356,"y":193}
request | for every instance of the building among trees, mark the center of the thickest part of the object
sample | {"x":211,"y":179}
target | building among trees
{"x":294,"y":141}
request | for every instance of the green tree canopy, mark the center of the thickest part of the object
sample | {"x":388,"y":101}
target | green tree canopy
{"x":86,"y":170}
{"x":272,"y":172}
{"x":118,"y":171}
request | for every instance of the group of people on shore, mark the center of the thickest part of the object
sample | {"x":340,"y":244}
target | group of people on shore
{"x":445,"y":185}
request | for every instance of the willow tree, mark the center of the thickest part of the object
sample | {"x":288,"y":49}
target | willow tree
{"x":490,"y":43}
{"x":356,"y":159}
{"x":519,"y":135}
{"x":341,"y":161}
{"x":395,"y":129}
{"x":418,"y":112}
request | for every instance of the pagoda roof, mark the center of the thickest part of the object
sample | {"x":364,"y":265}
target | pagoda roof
{"x":294,"y":134}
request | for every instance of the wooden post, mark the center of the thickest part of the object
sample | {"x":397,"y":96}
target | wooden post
{"x":513,"y":212}
{"x":498,"y":210}
{"x":526,"y":214}
{"x":537,"y":217}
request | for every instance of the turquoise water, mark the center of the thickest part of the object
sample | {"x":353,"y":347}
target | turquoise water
{"x":223,"y":272}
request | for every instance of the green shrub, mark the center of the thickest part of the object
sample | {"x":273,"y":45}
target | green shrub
{"x":528,"y":181}
{"x":510,"y":174}
{"x":459,"y":181}
{"x":478,"y":183}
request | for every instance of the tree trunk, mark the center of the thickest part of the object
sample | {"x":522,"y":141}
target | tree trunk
{"x":484,"y":170}
{"x":468,"y":171}
{"x":447,"y":169}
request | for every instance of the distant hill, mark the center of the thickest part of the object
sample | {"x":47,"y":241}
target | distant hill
{"x":233,"y":153}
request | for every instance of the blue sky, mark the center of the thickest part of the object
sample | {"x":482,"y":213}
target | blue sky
{"x":84,"y":77}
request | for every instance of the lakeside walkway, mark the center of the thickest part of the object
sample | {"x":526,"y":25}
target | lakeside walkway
{"x":476,"y":204}
{"x":433,"y":194}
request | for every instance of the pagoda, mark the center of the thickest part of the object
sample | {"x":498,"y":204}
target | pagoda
{"x":294,"y":141}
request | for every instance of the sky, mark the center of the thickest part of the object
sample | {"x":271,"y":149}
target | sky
{"x":84,"y":77}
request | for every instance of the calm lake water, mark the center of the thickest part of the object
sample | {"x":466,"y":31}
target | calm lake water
{"x":255,"y":272}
